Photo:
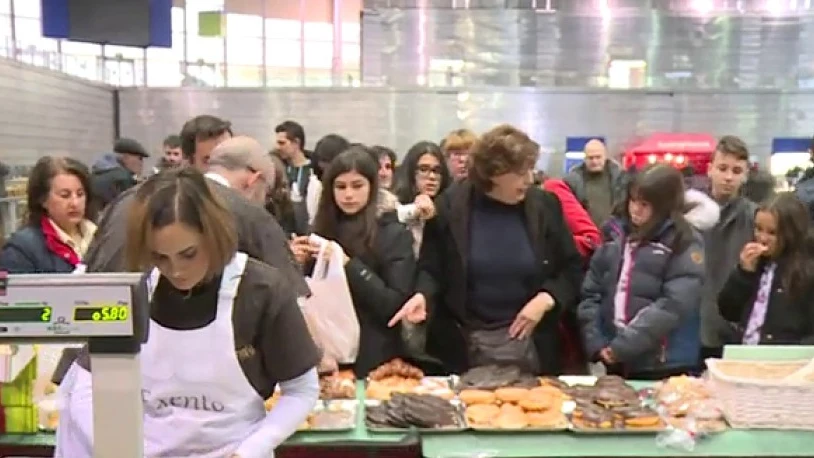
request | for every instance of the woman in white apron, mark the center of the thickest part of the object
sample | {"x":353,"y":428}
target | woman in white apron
{"x":224,"y":330}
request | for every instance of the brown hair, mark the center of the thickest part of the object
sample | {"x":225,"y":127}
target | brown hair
{"x":278,"y":201}
{"x":795,"y":241}
{"x":39,"y":185}
{"x":733,"y":146}
{"x":661,"y":186}
{"x":180,"y":196}
{"x":504,"y":149}
{"x":457,"y":140}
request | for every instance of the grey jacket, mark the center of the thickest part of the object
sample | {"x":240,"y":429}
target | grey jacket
{"x":723,"y":244}
{"x":259,"y":235}
{"x":576,"y":181}
{"x":659,"y":325}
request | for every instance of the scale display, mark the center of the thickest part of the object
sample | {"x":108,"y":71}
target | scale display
{"x":68,"y":306}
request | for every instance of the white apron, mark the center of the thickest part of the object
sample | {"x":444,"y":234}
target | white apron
{"x":197,"y":400}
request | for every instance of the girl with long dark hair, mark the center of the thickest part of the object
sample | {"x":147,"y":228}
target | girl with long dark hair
{"x":640,"y":299}
{"x":769,"y":294}
{"x":376,"y":249}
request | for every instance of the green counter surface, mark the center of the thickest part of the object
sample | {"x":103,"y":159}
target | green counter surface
{"x":732,"y":443}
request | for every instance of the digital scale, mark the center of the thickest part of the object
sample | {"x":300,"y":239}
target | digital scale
{"x":110,"y":314}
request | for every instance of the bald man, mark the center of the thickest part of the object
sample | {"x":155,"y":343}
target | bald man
{"x":598,"y":182}
{"x":244,"y":165}
{"x":241,"y":177}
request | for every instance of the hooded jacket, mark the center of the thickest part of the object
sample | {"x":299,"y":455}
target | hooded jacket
{"x":652,"y":324}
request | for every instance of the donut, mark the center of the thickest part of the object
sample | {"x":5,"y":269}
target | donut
{"x":511,"y":394}
{"x":470,"y":397}
{"x":482,"y":414}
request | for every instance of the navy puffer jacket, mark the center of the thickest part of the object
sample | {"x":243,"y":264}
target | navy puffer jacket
{"x":656,"y":325}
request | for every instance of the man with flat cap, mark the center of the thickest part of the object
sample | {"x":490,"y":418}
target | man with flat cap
{"x":118,"y":171}
{"x":241,"y":174}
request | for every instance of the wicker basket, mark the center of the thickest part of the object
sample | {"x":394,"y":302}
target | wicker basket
{"x":750,"y":403}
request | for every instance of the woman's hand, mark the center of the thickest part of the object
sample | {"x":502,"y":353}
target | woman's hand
{"x":327,"y":365}
{"x":301,"y":248}
{"x":750,"y":254}
{"x":413,"y":311}
{"x":530,"y":315}
{"x":606,"y":355}
{"x":425,"y":206}
{"x":330,"y":248}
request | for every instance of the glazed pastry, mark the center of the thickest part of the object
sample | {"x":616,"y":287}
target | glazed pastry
{"x":511,"y":394}
{"x":642,"y":418}
{"x":470,"y":397}
{"x":610,"y":380}
{"x":593,"y":418}
{"x":482,"y":414}
{"x":511,"y":417}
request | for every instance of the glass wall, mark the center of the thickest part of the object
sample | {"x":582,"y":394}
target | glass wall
{"x":242,"y":50}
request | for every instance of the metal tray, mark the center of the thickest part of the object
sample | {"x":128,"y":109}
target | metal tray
{"x":343,"y":405}
{"x":564,"y":426}
{"x":619,"y":431}
{"x":461,"y":419}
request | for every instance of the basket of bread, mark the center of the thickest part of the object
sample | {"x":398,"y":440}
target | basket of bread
{"x":765,"y":394}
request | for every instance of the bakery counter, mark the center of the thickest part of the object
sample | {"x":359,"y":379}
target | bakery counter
{"x":362,"y":443}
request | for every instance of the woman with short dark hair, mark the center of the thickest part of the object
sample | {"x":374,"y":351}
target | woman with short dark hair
{"x":499,"y":262}
{"x":225,"y":330}
{"x":60,"y":223}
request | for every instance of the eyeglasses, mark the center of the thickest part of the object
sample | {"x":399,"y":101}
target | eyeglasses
{"x":428,"y":169}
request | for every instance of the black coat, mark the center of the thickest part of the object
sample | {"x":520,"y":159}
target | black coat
{"x":25,"y":252}
{"x":379,"y":284}
{"x":789,"y":320}
{"x":442,"y":276}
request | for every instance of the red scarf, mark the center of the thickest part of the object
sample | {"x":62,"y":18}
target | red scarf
{"x":55,"y":244}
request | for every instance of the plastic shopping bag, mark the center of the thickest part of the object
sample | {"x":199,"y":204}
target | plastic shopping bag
{"x":329,"y":310}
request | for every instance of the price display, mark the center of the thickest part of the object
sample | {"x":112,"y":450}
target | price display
{"x":15,"y":314}
{"x":102,"y":314}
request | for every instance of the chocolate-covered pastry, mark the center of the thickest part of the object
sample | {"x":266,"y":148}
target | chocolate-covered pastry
{"x":609,"y":398}
{"x":555,"y":382}
{"x":593,"y":418}
{"x":408,"y":410}
{"x":492,"y":377}
{"x":609,"y":380}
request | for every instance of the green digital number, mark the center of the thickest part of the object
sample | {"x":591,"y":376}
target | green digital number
{"x":46,"y":314}
{"x":111,"y":313}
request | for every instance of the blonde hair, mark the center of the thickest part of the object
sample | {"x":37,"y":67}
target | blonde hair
{"x":458,"y":140}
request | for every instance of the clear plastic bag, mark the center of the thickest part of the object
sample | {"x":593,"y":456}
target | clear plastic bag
{"x":329,"y":311}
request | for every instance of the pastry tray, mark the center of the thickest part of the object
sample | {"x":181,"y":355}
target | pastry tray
{"x":563,"y":426}
{"x":350,"y":406}
{"x":619,"y":431}
{"x":461,"y":420}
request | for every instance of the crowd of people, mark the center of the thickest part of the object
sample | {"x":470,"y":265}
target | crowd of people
{"x":457,"y":256}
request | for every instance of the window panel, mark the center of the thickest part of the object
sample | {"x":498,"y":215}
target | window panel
{"x":178,"y":19}
{"x":283,"y":77}
{"x":351,"y":32}
{"x":244,"y":75}
{"x":244,"y":50}
{"x":81,"y":49}
{"x":127,"y":52}
{"x":244,"y":25}
{"x":5,"y":27}
{"x":282,"y":29}
{"x":29,"y":33}
{"x":208,"y":49}
{"x":318,"y":54}
{"x":82,"y":66}
{"x":5,"y":7}
{"x":27,"y":8}
{"x":174,"y":53}
{"x":351,"y":55}
{"x":163,"y":72}
{"x":283,"y":53}
{"x":319,"y":31}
